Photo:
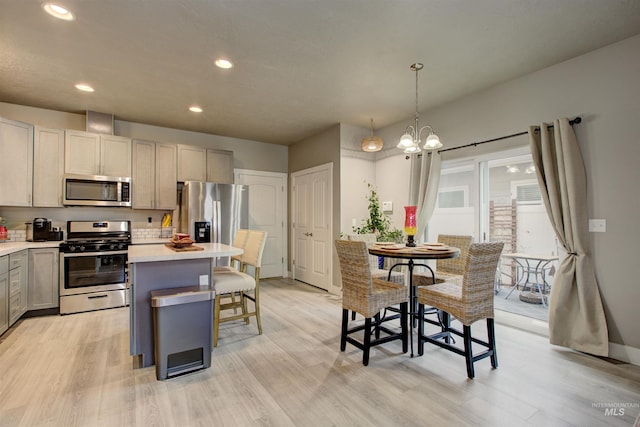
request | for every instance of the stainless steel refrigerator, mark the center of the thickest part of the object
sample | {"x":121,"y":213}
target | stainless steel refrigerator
{"x":212,"y":212}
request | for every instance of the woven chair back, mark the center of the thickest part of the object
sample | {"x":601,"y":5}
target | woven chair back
{"x":369,"y":239}
{"x":254,"y":248}
{"x":480,"y":274}
{"x":354,"y":266}
{"x":454,"y":265}
{"x":239,"y":241}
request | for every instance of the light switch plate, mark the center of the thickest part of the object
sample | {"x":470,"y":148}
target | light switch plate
{"x":597,"y":225}
{"x":387,"y":206}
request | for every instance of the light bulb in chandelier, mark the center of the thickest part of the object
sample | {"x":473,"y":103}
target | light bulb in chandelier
{"x":412,"y":149}
{"x":432,"y":142}
{"x":406,"y":141}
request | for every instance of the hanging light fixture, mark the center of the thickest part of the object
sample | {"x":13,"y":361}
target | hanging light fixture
{"x":371,"y":144}
{"x":410,"y":140}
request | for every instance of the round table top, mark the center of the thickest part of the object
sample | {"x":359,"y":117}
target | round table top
{"x":420,"y":251}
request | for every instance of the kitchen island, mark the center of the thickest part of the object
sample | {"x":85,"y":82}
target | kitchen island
{"x":155,"y":267}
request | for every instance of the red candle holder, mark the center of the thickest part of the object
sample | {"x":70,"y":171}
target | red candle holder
{"x":410,"y":224}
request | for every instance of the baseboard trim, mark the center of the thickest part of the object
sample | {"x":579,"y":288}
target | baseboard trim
{"x":524,"y":323}
{"x":624,"y":353}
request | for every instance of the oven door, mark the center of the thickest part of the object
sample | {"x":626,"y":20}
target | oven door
{"x":81,"y":273}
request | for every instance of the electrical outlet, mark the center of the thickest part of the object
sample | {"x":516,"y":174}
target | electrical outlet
{"x":597,"y":225}
{"x":204,"y":280}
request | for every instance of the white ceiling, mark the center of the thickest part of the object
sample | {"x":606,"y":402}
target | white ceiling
{"x":300,"y":65}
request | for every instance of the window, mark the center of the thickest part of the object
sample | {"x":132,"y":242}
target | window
{"x":453,"y":197}
{"x":526,"y":192}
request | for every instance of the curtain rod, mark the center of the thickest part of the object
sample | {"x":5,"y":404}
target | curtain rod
{"x":473,"y":144}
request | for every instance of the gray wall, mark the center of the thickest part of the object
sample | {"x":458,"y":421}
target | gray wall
{"x":318,"y":150}
{"x":603,"y":87}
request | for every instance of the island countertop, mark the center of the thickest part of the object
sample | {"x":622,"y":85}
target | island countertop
{"x":153,"y":253}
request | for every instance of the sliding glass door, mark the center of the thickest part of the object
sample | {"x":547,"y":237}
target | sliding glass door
{"x":496,"y":198}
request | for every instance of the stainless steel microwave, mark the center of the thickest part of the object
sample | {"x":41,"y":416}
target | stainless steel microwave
{"x":96,"y":190}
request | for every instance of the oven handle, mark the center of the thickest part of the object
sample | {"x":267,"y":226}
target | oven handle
{"x":74,"y":254}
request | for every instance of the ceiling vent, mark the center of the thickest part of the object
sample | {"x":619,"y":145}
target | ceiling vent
{"x":99,"y":122}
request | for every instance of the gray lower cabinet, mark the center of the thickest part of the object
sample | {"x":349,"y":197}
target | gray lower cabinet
{"x":43,"y":288}
{"x":4,"y":294}
{"x":18,"y":271}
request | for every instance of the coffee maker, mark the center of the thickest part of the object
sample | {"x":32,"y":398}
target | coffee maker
{"x":41,"y":229}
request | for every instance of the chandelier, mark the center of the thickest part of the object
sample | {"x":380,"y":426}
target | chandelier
{"x":371,"y":144}
{"x":412,"y":137}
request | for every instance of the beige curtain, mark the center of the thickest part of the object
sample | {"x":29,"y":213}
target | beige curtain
{"x":423,"y":187}
{"x":576,"y":316}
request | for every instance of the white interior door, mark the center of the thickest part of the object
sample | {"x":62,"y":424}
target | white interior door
{"x":312,"y":244}
{"x":267,"y":208}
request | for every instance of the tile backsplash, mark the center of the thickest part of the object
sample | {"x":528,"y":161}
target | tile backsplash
{"x":152,"y":233}
{"x":136,"y":233}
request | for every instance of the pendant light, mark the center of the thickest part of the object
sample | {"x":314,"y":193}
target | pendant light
{"x":410,"y":140}
{"x":371,"y":143}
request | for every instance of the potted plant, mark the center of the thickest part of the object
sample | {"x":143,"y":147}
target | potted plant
{"x":378,"y":222}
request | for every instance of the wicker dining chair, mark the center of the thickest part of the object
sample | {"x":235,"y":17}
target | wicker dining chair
{"x":241,"y":284}
{"x":468,"y":302}
{"x":367,"y":296}
{"x":376,"y":271}
{"x":449,"y":269}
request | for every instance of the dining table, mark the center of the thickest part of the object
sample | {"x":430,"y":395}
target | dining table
{"x":410,"y":256}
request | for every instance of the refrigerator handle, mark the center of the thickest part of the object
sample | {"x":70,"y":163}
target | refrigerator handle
{"x":216,"y":222}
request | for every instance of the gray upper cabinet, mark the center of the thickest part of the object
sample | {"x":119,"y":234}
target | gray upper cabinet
{"x":48,"y":167}
{"x":220,"y":166}
{"x":16,"y":146}
{"x":92,"y":154}
{"x":154,"y":175}
{"x":202,"y":164}
{"x":166,"y":175}
{"x":192,"y":163}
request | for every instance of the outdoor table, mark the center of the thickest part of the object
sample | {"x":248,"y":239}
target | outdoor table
{"x":532,"y":265}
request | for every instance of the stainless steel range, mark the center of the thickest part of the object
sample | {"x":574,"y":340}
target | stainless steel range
{"x":93,"y":266}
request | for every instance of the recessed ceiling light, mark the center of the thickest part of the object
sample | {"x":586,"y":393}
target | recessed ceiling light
{"x":195,"y":109}
{"x":224,"y":63}
{"x":84,"y":88}
{"x":58,"y":11}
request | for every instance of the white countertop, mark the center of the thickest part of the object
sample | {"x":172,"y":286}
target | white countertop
{"x":9,"y":247}
{"x":155,"y":252}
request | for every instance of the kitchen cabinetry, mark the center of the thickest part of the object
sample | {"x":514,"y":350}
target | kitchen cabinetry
{"x":201,"y":164}
{"x":48,"y":167}
{"x":154,"y":175}
{"x":220,"y":166}
{"x":192,"y":163}
{"x":92,"y":154}
{"x":18,"y":271}
{"x":4,"y":294}
{"x":43,"y":278}
{"x":16,"y":146}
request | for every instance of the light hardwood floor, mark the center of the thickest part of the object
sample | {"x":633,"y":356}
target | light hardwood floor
{"x":76,"y":371}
